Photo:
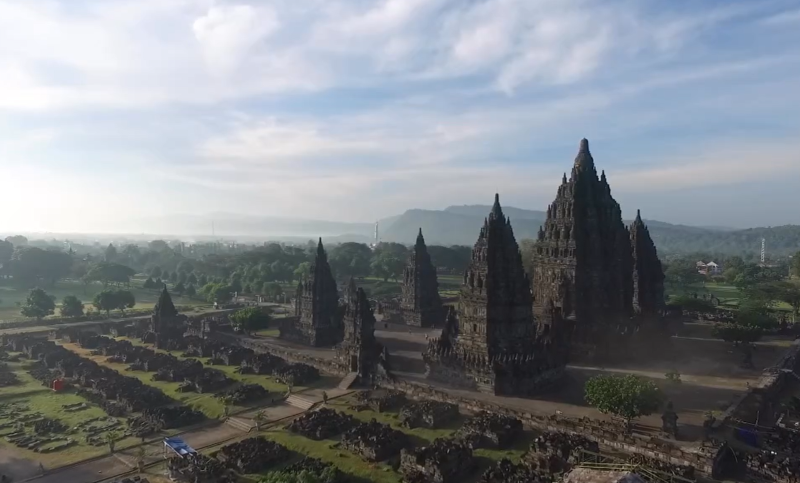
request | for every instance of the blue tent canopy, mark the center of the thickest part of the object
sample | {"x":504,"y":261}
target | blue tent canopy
{"x":179,"y":446}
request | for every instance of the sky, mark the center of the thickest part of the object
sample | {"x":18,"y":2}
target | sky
{"x":115,"y":111}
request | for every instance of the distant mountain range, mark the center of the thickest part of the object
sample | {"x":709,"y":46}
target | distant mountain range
{"x":455,"y":225}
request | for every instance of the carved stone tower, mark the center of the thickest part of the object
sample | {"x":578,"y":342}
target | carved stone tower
{"x":420,"y":304}
{"x":165,"y":323}
{"x":491,"y":343}
{"x":648,"y":274}
{"x":318,"y":321}
{"x":359,"y":350}
{"x":582,"y":265}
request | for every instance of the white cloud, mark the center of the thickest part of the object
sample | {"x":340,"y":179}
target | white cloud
{"x":227,"y":34}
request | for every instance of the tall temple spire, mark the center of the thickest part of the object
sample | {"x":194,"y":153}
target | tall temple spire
{"x":497,"y":211}
{"x":584,"y":158}
{"x":638,"y":219}
{"x":420,"y":238}
{"x":420,"y":303}
{"x":320,"y":248}
{"x":164,"y":307}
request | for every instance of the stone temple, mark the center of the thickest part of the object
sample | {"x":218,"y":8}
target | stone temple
{"x":490,"y":342}
{"x":359,"y":351}
{"x":166,"y":324}
{"x":584,"y":264}
{"x":421,"y":305}
{"x":648,"y":274}
{"x":317,"y":317}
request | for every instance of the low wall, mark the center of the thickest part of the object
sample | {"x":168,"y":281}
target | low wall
{"x":606,"y":435}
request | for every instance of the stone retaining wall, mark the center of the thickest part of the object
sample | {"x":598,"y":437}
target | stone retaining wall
{"x":761,"y":395}
{"x":606,"y":435}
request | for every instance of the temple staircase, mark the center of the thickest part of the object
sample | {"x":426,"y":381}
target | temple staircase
{"x":240,"y":424}
{"x":300,"y":402}
{"x":348,"y":381}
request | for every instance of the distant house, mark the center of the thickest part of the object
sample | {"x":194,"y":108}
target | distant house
{"x":710,"y":268}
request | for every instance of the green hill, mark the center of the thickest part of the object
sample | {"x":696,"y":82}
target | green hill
{"x":460,"y":225}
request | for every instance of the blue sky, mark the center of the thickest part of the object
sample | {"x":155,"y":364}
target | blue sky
{"x":117,"y":110}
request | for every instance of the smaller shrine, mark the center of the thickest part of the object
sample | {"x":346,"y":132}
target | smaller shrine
{"x":166,"y":325}
{"x":421,"y":305}
{"x":359,"y":352}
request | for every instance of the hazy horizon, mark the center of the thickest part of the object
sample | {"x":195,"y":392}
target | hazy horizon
{"x":353,"y":110}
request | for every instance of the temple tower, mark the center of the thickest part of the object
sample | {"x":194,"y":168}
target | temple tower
{"x":358,"y":351}
{"x":647,"y":274}
{"x":490,"y":342}
{"x":420,"y":304}
{"x":318,"y":321}
{"x":165,"y":323}
{"x":582,"y":264}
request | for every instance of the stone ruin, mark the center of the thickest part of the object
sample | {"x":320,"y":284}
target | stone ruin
{"x":380,"y":400}
{"x":7,"y":377}
{"x":245,"y":394}
{"x":297,"y":374}
{"x":428,"y":414}
{"x":505,"y":471}
{"x":199,"y":468}
{"x":374,"y":441}
{"x":553,"y":453}
{"x":153,"y":420}
{"x":262,"y":364}
{"x":322,"y":424}
{"x":359,"y":351}
{"x":444,"y":461}
{"x":230,"y":355}
{"x":253,"y":455}
{"x":420,"y":303}
{"x":490,"y":430}
{"x":490,"y":343}
{"x":318,"y":321}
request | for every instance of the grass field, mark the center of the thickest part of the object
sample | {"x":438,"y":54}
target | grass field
{"x":35,"y":398}
{"x":145,"y":299}
{"x":728,"y":295}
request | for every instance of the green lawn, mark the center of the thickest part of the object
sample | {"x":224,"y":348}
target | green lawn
{"x":35,"y":398}
{"x":145,"y":299}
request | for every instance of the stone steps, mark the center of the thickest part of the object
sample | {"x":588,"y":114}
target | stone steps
{"x":300,"y":402}
{"x":348,"y":381}
{"x":240,"y":424}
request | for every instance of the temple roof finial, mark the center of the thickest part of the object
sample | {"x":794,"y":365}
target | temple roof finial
{"x":420,"y":238}
{"x":584,"y":158}
{"x":497,"y":211}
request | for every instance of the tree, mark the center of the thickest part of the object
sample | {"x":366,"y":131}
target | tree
{"x":159,"y":246}
{"x":111,"y":253}
{"x":795,"y":265}
{"x":220,"y":293}
{"x":180,"y":288}
{"x":38,"y":304}
{"x":350,"y":260}
{"x":173,"y":277}
{"x":71,"y":306}
{"x":109,"y":300}
{"x":191,"y":279}
{"x":17,"y":240}
{"x":687,"y":302}
{"x":386,"y":266}
{"x":191,"y":291}
{"x":328,"y":475}
{"x":6,"y":250}
{"x":682,"y":274}
{"x":250,"y":319}
{"x":149,"y":283}
{"x":627,"y":396}
{"x":32,"y":265}
{"x":155,"y":272}
{"x":202,"y":280}
{"x":303,"y":271}
{"x":108,"y":272}
{"x":236,"y":285}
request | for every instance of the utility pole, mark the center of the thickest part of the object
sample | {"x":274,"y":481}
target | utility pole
{"x":763,"y":252}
